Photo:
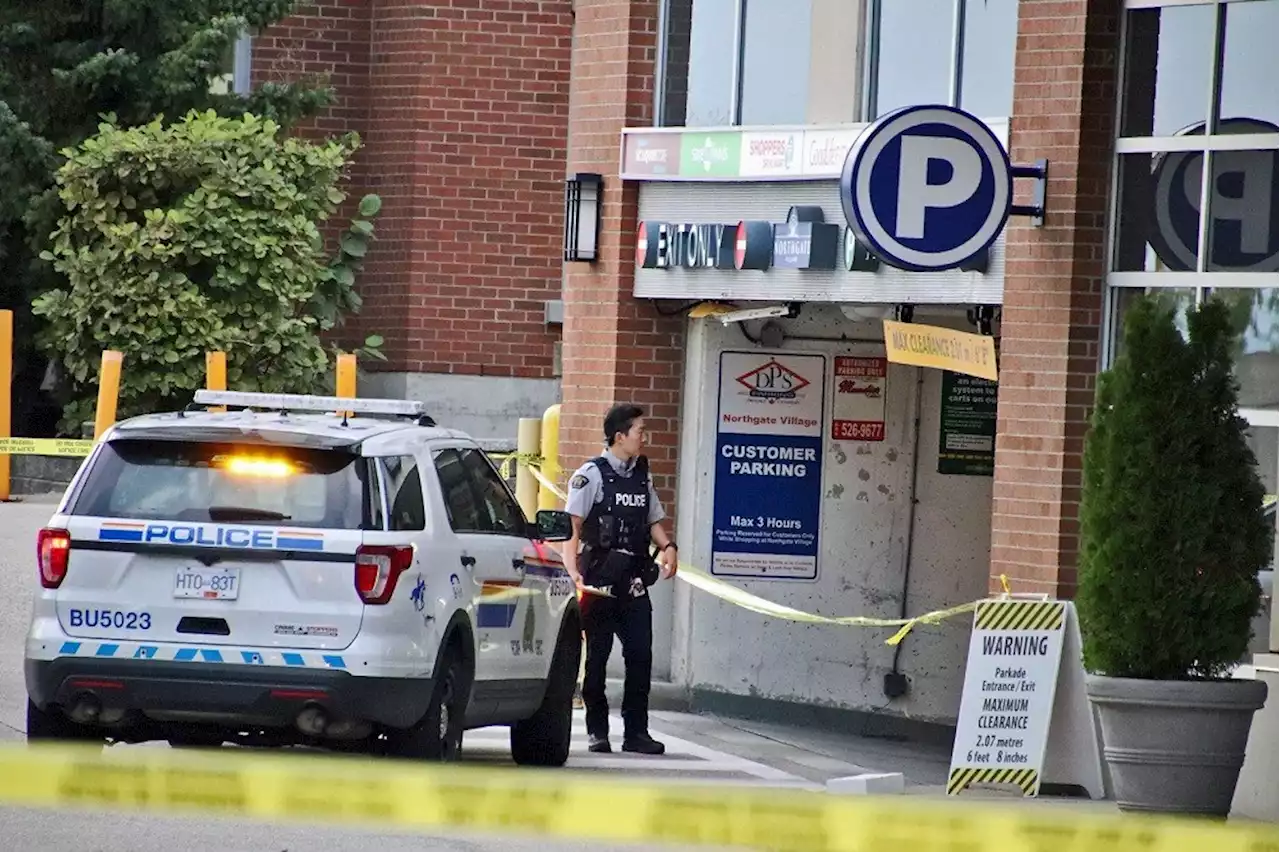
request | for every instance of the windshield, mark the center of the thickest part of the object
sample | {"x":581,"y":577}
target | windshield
{"x":201,"y":482}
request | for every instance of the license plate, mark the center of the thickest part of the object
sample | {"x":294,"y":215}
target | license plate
{"x":222,"y":584}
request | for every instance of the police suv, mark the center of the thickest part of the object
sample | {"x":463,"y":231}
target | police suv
{"x":276,"y":569}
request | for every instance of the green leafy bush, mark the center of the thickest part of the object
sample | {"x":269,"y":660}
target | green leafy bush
{"x":1172,"y":532}
{"x":196,"y":236}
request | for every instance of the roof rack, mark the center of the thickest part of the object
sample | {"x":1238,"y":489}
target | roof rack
{"x":286,"y":402}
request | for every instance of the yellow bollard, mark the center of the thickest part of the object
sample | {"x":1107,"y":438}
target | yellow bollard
{"x":215,"y":370}
{"x":6,"y":395}
{"x":108,"y":391}
{"x":346,"y":378}
{"x":528,"y":437}
{"x":550,"y":456}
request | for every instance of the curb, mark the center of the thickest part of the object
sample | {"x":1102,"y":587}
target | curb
{"x":663,"y":696}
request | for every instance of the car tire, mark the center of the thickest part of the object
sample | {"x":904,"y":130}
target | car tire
{"x":51,"y":726}
{"x":438,"y":735}
{"x":544,"y":738}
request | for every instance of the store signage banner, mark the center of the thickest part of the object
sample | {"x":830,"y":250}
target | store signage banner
{"x":680,"y":154}
{"x":941,"y":348}
{"x":859,"y":388}
{"x":768,"y":481}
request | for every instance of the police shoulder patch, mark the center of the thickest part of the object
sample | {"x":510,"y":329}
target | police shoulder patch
{"x":579,"y":481}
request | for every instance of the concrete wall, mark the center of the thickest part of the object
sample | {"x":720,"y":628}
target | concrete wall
{"x":863,"y":547}
{"x":486,"y":407}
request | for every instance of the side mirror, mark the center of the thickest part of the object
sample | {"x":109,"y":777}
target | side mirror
{"x":554,"y":525}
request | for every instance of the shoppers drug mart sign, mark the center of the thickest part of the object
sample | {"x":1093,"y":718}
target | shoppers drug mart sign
{"x":800,"y":153}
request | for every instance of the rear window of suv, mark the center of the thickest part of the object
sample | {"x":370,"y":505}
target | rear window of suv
{"x":200,"y":482}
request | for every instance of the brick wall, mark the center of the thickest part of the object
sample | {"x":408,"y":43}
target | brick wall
{"x":1064,"y":101}
{"x":616,"y":348}
{"x":463,"y":107}
{"x":327,"y":40}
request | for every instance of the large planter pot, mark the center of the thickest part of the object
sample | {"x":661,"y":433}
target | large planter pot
{"x":1175,"y":746}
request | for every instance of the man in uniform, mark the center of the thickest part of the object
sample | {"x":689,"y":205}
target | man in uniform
{"x":616,"y":513}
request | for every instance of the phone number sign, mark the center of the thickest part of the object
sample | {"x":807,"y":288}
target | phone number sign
{"x":858,"y":409}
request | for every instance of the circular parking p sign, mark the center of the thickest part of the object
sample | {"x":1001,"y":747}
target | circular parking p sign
{"x":927,"y":187}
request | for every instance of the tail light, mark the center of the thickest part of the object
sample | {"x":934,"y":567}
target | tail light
{"x":378,"y":567}
{"x":54,"y":549}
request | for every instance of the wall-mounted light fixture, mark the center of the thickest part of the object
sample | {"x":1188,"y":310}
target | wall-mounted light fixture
{"x":582,"y":195}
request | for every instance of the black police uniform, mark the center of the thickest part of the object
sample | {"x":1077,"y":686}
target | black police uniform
{"x":615,"y":535}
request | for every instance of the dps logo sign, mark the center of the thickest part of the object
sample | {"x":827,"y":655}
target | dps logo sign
{"x":927,"y":188}
{"x":773,"y":382}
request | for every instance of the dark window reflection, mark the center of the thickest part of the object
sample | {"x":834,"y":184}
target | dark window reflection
{"x":1157,"y":217}
{"x":1168,"y":69}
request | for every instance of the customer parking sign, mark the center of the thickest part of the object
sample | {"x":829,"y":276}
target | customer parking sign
{"x":768,"y":485}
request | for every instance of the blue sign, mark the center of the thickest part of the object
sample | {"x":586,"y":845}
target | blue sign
{"x":768,"y":486}
{"x":1242,"y":199}
{"x":927,"y":187}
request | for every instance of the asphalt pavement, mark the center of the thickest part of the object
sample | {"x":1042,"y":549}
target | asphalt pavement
{"x":93,"y":831}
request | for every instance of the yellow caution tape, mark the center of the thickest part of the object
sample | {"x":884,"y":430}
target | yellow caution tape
{"x":385,"y":794}
{"x":45,"y":447}
{"x":729,"y":593}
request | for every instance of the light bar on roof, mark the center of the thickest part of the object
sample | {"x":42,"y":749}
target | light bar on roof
{"x":309,"y":402}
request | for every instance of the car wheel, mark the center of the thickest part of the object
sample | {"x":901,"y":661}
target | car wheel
{"x":438,"y":735}
{"x":544,"y":738}
{"x":51,"y":726}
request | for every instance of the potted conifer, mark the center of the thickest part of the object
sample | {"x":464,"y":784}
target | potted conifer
{"x":1172,"y":536}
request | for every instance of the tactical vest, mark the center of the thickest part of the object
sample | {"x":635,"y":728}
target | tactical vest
{"x":620,"y":521}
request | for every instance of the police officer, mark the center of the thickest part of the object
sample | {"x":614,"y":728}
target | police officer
{"x":616,"y":513}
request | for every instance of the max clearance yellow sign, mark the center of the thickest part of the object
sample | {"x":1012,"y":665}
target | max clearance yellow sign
{"x":941,"y":348}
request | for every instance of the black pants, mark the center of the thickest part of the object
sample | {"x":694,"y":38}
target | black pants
{"x":631,"y":620}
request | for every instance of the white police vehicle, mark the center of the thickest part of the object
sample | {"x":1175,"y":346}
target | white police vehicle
{"x":260,"y":569}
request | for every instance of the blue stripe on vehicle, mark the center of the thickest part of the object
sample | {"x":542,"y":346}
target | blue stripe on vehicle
{"x":185,"y":655}
{"x":543,"y":570}
{"x":69,"y":648}
{"x":495,"y":616}
{"x":211,"y":656}
{"x":145,"y":652}
{"x":287,"y":543}
{"x":335,"y":662}
{"x":119,"y":535}
{"x":252,"y":657}
{"x":107,"y":650}
{"x":294,"y":660}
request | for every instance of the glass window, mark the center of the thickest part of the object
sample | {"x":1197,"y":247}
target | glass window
{"x":1251,"y":63}
{"x":775,"y":61}
{"x":914,"y":62}
{"x":1244,"y":213}
{"x":1181,"y":300}
{"x":404,"y":490}
{"x":1157,"y":227}
{"x":246,"y":484}
{"x":675,"y":71}
{"x":1168,"y":69}
{"x":459,"y":498}
{"x":1257,"y":355}
{"x":500,"y":511}
{"x":986,"y":78}
{"x":712,"y":56}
